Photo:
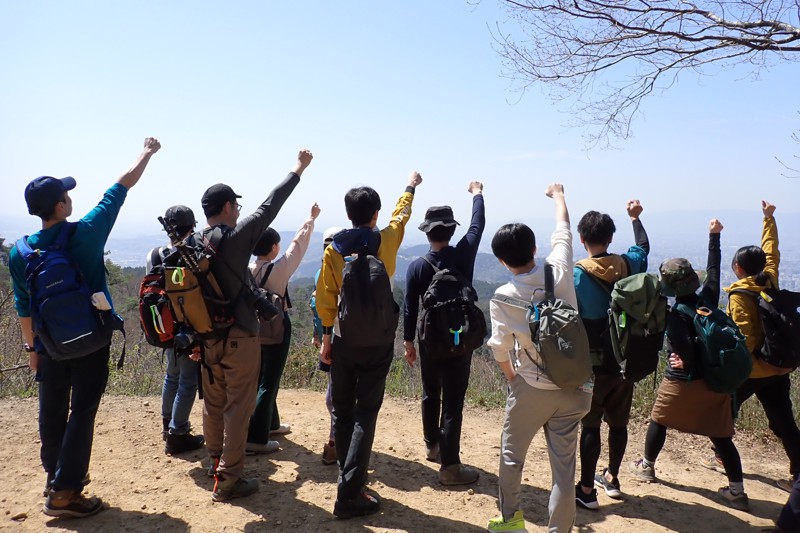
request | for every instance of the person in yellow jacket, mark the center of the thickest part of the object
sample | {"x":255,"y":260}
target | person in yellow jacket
{"x":757,"y":269}
{"x":360,"y":358}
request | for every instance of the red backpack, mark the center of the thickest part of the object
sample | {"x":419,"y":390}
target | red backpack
{"x":155,"y":311}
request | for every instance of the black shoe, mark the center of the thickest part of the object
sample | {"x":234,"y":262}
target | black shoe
{"x":183,"y":443}
{"x":164,"y":428}
{"x":71,"y":503}
{"x":587,"y":501}
{"x":362,"y":505}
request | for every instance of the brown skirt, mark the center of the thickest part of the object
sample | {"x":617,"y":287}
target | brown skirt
{"x":691,"y":407}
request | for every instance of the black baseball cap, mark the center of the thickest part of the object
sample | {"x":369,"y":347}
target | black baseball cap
{"x":44,"y":192}
{"x":180,"y":215}
{"x":216,"y":196}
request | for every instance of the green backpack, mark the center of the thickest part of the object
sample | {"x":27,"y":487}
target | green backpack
{"x":724,"y":355}
{"x":637,"y":322}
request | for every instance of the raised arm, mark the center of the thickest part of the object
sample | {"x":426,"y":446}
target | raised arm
{"x":286,"y":266}
{"x":132,"y":175}
{"x":711,"y":286}
{"x":634,"y":208}
{"x":556,"y":192}
{"x":769,"y":241}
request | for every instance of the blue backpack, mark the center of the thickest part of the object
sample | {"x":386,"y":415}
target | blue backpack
{"x":66,"y":324}
{"x":724,"y":355}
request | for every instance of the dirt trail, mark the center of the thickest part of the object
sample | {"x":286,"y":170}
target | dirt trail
{"x":148,"y":491}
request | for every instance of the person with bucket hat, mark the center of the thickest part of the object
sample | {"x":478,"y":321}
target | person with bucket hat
{"x":684,"y":401}
{"x":444,"y":379}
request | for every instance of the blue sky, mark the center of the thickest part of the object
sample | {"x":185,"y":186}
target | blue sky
{"x":375,"y":89}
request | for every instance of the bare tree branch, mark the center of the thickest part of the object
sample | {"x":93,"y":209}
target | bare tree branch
{"x":610,"y":54}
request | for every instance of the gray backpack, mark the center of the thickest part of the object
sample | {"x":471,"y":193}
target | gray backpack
{"x":271,"y":331}
{"x":559,"y":336}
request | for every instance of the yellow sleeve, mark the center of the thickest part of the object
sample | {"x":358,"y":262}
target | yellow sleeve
{"x":328,"y":286}
{"x":769,"y":243}
{"x":392,"y":235}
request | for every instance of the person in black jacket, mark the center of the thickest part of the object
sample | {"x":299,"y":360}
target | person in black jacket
{"x":684,"y":401}
{"x":444,"y":381}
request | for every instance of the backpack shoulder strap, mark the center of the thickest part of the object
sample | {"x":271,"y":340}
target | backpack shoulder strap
{"x":24,"y":248}
{"x":156,"y":257}
{"x":685,"y":310}
{"x":549,"y":283}
{"x":270,"y":266}
{"x":427,"y":259}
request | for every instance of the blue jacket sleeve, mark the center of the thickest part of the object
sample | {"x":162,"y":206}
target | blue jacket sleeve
{"x":411,"y":304}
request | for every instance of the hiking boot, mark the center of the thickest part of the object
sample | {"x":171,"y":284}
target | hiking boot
{"x":642,"y":472}
{"x":71,"y":503}
{"x":737,"y":501}
{"x":432,"y":453}
{"x":283,"y":429}
{"x":329,"y":454}
{"x":212,"y":468}
{"x":587,"y":501}
{"x":48,"y":484}
{"x":457,"y":474}
{"x":228,"y":489}
{"x":187,"y":442}
{"x":362,"y":505}
{"x":515,"y":524}
{"x":611,"y":487}
{"x":713,"y":462}
{"x":268,"y":447}
{"x":785,"y":484}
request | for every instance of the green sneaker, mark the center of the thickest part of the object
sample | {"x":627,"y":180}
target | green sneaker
{"x":514,"y":524}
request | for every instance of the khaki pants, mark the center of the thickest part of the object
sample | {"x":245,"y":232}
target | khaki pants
{"x":230,"y":400}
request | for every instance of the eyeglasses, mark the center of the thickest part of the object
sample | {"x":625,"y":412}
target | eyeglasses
{"x":238,"y":206}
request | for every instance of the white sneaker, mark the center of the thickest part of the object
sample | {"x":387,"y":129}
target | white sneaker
{"x":283,"y":429}
{"x":269,"y":447}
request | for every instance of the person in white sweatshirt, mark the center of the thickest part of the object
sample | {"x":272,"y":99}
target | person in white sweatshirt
{"x":534,"y":401}
{"x":273,"y":274}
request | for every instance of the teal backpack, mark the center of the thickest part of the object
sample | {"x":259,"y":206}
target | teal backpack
{"x":724,"y":355}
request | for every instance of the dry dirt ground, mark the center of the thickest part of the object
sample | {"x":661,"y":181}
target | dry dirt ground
{"x":148,"y":491}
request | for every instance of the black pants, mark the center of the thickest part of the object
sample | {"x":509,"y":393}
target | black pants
{"x":358,"y":376}
{"x":773,"y":393}
{"x":444,"y":386}
{"x":724,"y":448}
{"x":69,"y":395}
{"x":789,"y":519}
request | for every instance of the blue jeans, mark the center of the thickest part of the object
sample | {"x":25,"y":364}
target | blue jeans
{"x":69,"y":395}
{"x":180,"y":387}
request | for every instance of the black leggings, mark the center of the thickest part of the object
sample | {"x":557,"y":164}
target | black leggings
{"x":724,"y":447}
{"x":590,"y":452}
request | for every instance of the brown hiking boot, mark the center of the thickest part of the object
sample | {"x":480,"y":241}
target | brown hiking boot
{"x":457,"y":474}
{"x":71,"y":503}
{"x":329,"y":454}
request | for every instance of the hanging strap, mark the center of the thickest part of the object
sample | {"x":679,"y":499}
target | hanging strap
{"x":549,"y":283}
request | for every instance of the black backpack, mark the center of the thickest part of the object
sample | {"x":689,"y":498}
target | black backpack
{"x":368,"y":314}
{"x":450,"y":325}
{"x":781,"y":324}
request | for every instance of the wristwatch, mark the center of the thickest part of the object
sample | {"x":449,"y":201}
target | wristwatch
{"x":28,"y":348}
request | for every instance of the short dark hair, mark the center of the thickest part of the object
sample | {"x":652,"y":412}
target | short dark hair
{"x":596,"y":228}
{"x":752,"y":260}
{"x":513,"y":244}
{"x":50,"y":212}
{"x":213,"y":210}
{"x":440,"y":233}
{"x":268,"y":239}
{"x":360,"y":203}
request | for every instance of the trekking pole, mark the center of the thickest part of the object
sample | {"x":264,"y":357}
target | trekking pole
{"x":12,"y":368}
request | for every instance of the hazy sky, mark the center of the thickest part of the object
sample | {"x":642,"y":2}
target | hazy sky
{"x":375,"y":89}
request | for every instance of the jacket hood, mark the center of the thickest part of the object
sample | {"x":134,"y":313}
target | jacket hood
{"x":353,"y":240}
{"x":609,"y":268}
{"x":748,"y":283}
